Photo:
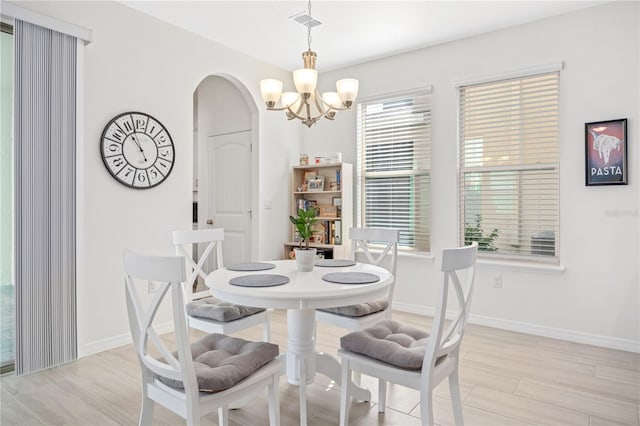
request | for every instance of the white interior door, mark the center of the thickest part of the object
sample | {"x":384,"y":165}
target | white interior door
{"x":228,"y":161}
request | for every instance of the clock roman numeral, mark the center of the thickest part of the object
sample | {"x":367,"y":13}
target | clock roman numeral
{"x":117,"y":134}
{"x":163,"y":165}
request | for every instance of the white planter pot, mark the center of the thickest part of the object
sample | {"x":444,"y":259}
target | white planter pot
{"x":305,"y":259}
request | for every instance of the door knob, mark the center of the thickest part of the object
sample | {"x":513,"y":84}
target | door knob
{"x":209,"y":221}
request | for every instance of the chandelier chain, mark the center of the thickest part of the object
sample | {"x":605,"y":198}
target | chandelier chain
{"x":309,"y":27}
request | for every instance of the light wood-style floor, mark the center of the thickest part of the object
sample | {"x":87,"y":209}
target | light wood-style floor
{"x":506,"y":378}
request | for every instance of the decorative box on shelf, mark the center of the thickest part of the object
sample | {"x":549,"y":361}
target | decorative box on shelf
{"x":328,"y":211}
{"x":308,"y":159}
{"x":335,"y":158}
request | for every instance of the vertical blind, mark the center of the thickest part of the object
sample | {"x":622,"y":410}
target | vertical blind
{"x":394,"y":166}
{"x":45,"y":165}
{"x":509,"y":166}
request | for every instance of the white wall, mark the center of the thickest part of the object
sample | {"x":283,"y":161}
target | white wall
{"x":221,"y":108}
{"x":139,"y":63}
{"x":597,"y":298}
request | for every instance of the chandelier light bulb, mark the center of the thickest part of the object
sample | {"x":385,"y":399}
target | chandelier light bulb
{"x":348,"y":90}
{"x":271,"y":90}
{"x":332,"y":99}
{"x":290,"y":99}
{"x":305,"y":80}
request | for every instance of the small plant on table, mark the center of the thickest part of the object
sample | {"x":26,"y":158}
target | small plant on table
{"x":304,"y":223}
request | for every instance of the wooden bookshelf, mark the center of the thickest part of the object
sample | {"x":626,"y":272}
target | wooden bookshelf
{"x":333,"y":224}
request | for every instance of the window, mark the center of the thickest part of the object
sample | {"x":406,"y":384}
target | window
{"x":509,"y":166}
{"x":7,"y":273}
{"x":394,"y":162}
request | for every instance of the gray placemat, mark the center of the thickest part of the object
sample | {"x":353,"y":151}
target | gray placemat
{"x":259,"y":280}
{"x":334,"y":262}
{"x":251,"y":266}
{"x":351,"y":278}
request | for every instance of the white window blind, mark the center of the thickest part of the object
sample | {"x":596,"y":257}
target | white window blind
{"x":509,"y":166}
{"x":394,"y":166}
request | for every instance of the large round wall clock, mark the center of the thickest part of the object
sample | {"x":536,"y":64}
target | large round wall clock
{"x":137,"y":150}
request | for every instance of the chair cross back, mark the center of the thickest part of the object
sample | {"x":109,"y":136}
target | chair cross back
{"x":444,"y":342}
{"x":213,"y":238}
{"x":362,"y":237}
{"x":170,"y":272}
{"x":369,"y":311}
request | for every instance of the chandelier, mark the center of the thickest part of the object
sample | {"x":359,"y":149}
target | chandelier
{"x":306,"y":104}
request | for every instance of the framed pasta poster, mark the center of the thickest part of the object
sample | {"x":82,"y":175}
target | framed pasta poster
{"x":606,"y":152}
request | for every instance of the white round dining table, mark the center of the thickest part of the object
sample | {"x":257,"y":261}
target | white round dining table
{"x":305,"y":292}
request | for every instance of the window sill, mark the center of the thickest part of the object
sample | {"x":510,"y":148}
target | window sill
{"x":503,"y":265}
{"x":423,"y":256}
{"x":418,"y":255}
{"x":521,"y":266}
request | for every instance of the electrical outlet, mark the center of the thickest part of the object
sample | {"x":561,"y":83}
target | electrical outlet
{"x":497,"y":281}
{"x":153,"y":287}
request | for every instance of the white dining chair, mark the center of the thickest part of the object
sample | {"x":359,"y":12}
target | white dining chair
{"x":411,"y":356}
{"x":384,"y":243}
{"x":195,"y":379}
{"x":205,"y":312}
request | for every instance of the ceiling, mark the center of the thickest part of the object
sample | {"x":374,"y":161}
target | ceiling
{"x":352,"y":31}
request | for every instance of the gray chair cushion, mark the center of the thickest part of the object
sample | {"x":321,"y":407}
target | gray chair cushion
{"x":359,"y":310}
{"x":391,"y":342}
{"x":212,"y":308}
{"x":221,"y":361}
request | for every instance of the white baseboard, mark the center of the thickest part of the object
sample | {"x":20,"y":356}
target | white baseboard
{"x":521,"y":327}
{"x":537,"y":330}
{"x":117,"y":341}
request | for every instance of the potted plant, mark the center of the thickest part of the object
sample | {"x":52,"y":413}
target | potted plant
{"x":304,"y":223}
{"x":474,"y":232}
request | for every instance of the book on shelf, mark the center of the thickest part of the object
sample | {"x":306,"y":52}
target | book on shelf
{"x":305,"y":205}
{"x":333,"y":232}
{"x":328,"y":232}
{"x":337,"y":234}
{"x":319,"y":233}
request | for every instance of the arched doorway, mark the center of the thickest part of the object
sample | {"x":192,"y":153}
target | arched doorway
{"x":225,"y":131}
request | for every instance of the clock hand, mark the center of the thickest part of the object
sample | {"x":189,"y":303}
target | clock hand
{"x":139,"y":147}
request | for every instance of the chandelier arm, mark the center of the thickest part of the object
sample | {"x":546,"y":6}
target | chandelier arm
{"x":278,"y":108}
{"x":329,"y":108}
{"x":335,"y":108}
{"x":295,"y":115}
{"x":317,"y":117}
{"x":318,"y":105}
{"x":300,"y":105}
{"x":308,"y":109}
{"x":340,"y":108}
{"x":303,"y":118}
